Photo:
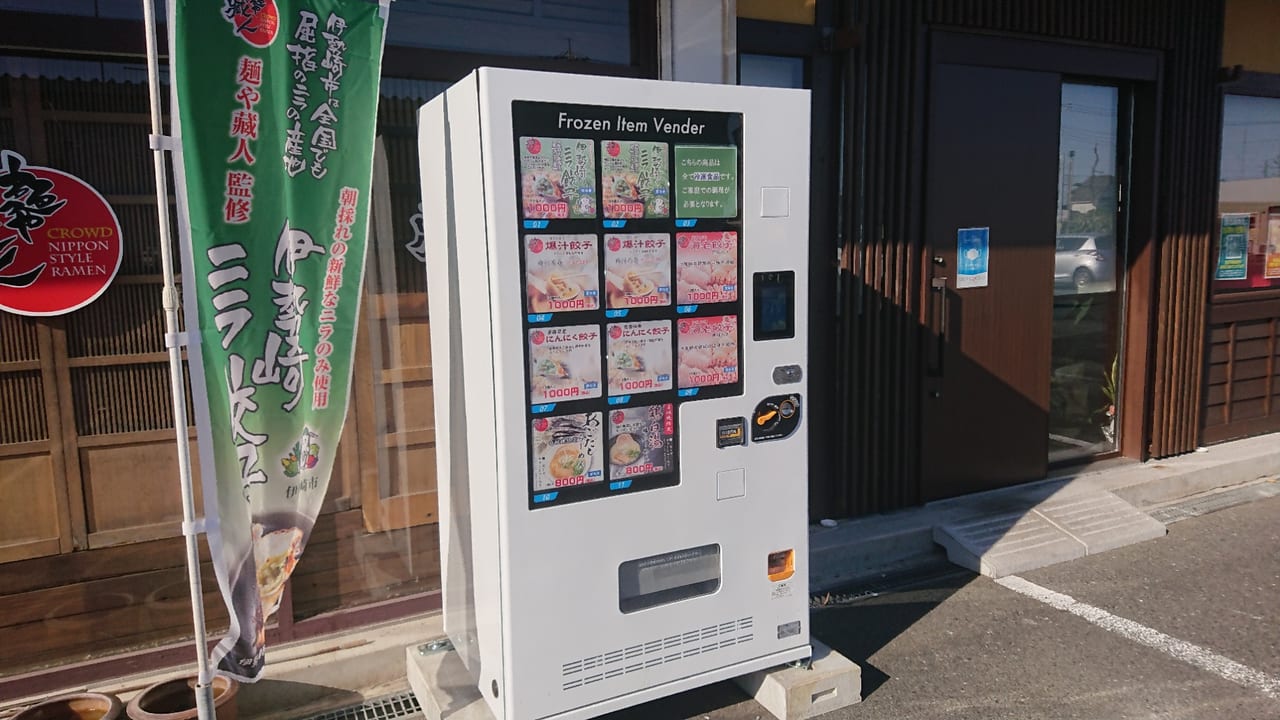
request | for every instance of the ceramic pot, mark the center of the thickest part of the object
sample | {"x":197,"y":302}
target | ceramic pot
{"x":176,"y":700}
{"x":78,"y":706}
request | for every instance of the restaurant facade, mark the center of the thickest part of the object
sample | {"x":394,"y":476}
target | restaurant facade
{"x":1114,"y":164}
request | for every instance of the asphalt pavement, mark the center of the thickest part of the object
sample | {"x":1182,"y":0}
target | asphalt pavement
{"x":1183,"y":627}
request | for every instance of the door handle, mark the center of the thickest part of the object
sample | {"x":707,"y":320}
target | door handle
{"x":940,"y":284}
{"x":939,"y":287}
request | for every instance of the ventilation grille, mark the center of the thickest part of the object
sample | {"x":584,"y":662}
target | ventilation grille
{"x":660,"y":651}
{"x":390,"y":707}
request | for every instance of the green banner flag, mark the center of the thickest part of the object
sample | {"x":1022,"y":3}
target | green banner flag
{"x":277,"y":101}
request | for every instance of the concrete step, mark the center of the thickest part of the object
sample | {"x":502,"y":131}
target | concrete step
{"x":1054,"y":529}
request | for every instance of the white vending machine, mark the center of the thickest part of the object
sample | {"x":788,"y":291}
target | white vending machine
{"x":616,"y":272}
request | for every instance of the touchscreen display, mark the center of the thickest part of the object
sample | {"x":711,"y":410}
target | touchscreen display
{"x":774,"y":305}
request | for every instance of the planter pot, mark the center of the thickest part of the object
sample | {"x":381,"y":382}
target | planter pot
{"x":176,"y":700}
{"x":80,"y":706}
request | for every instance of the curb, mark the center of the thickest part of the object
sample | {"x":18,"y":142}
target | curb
{"x":865,"y":548}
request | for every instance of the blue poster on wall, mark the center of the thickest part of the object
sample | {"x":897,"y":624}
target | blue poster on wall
{"x":973,"y":248}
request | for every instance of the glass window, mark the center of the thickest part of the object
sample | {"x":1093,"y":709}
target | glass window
{"x":119,"y":9}
{"x":565,"y":29}
{"x":375,"y":540}
{"x":598,"y":31}
{"x":1088,"y":265}
{"x":1248,"y":232}
{"x":789,"y":11}
{"x":771,"y":71}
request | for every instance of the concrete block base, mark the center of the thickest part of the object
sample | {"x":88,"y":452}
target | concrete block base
{"x":442,"y":684}
{"x":796,"y":693}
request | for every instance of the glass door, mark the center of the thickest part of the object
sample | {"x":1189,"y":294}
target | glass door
{"x":1088,"y":274}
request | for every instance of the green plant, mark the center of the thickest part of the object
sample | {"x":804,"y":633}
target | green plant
{"x":1110,"y":384}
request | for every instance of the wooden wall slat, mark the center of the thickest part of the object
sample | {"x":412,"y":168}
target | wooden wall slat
{"x":140,"y":588}
{"x":96,"y":95}
{"x":49,"y":642}
{"x":1241,"y":380}
{"x":20,"y":338}
{"x":125,"y":320}
{"x":126,"y":170}
{"x":22,"y":409}
{"x":120,"y":399}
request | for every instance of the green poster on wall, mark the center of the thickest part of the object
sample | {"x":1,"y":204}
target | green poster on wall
{"x":1233,"y":248}
{"x":277,"y":101}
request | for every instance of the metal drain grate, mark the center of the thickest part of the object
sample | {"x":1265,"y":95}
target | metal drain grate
{"x":388,"y":707}
{"x":937,"y":572}
{"x":1205,"y":504}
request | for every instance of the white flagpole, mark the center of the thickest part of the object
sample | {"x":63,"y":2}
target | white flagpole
{"x":174,"y":343}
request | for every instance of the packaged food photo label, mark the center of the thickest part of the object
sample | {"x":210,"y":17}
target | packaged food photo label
{"x":564,"y":363}
{"x":708,"y":351}
{"x":639,"y":357}
{"x":635,"y":179}
{"x":562,"y":273}
{"x":641,"y":441}
{"x":706,"y":267}
{"x":637,"y":270}
{"x":557,"y":178}
{"x":568,"y":450}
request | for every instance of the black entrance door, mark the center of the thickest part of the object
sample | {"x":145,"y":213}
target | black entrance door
{"x":992,"y":162}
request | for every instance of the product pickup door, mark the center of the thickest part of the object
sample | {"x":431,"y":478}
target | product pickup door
{"x":991,"y":173}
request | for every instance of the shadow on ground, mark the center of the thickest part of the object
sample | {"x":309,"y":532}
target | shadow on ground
{"x":697,"y":703}
{"x":857,"y":622}
{"x":288,"y":698}
{"x":860,"y":622}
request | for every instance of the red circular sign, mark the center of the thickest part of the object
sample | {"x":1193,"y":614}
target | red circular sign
{"x":258,"y":26}
{"x":59,"y":240}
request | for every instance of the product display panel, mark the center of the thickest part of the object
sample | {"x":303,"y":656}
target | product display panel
{"x":630,"y":239}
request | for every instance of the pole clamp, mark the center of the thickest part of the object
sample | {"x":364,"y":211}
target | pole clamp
{"x":192,"y":528}
{"x":175,"y":340}
{"x":162,"y":142}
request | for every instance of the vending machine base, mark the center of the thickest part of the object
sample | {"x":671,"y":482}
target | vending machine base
{"x":826,"y":683}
